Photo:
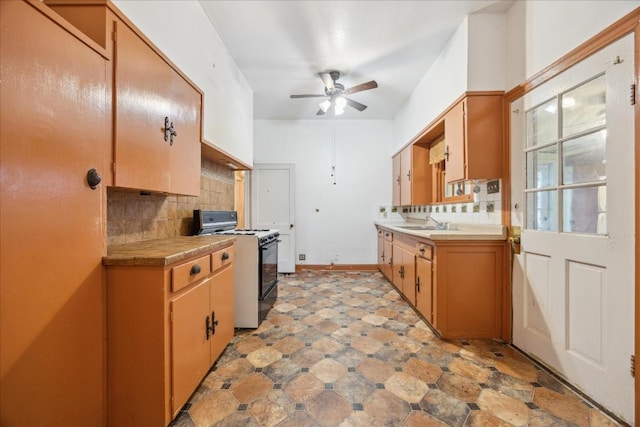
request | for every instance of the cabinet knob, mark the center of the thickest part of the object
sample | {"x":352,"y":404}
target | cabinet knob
{"x":93,"y":178}
{"x":195,"y":269}
{"x":225,"y":256}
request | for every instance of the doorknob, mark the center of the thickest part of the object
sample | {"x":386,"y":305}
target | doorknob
{"x":515,"y":239}
{"x":290,"y":226}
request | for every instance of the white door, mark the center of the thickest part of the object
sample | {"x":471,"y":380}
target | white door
{"x":272,"y":206}
{"x":572,"y":163}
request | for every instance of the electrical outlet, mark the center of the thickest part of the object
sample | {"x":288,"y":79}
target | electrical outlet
{"x":493,"y":186}
{"x":302,"y":257}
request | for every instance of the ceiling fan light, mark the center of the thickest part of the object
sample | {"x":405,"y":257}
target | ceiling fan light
{"x":324,"y":105}
{"x":338,"y":110}
{"x":341,"y":102}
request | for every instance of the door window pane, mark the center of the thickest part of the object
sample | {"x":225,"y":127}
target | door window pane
{"x":584,"y":107}
{"x":584,"y":210}
{"x":542,"y":210}
{"x":542,"y":167}
{"x":542,"y":124}
{"x":583,"y":159}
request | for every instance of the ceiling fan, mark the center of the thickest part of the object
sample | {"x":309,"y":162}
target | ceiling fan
{"x":335,"y":94}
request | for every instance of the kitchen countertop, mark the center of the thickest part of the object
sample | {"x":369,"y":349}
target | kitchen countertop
{"x":457,"y":231}
{"x":159,"y":252}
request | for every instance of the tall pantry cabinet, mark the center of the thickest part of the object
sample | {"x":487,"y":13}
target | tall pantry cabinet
{"x":55,"y":117}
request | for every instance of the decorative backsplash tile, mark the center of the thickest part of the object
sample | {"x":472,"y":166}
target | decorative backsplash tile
{"x":484,"y":209}
{"x":134,"y":216}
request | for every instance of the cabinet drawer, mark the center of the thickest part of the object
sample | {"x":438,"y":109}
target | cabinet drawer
{"x":185,"y":274}
{"x":423,"y":250}
{"x":221,"y":258}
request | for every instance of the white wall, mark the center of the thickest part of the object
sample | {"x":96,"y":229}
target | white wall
{"x":474,"y":59}
{"x":185,"y":35}
{"x":441,"y":85}
{"x":540,"y":32}
{"x":342,"y":227}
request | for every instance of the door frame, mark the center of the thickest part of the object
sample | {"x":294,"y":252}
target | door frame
{"x":624,"y":26}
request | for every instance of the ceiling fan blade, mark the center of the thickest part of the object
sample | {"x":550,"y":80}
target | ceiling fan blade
{"x":320,"y":113}
{"x":328,"y":81}
{"x":355,"y":104}
{"x":359,"y":88}
{"x":308,"y":96}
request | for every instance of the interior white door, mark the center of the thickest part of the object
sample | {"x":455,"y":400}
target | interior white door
{"x":272,"y":206}
{"x":572,"y":163}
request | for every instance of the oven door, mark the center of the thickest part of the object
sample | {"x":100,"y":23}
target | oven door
{"x":268,"y":267}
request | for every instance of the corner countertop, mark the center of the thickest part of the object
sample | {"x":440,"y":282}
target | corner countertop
{"x":457,"y":231}
{"x":161,"y":252}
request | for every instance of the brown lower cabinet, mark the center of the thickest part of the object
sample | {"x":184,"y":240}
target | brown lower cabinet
{"x":457,"y":286}
{"x":166,"y":326}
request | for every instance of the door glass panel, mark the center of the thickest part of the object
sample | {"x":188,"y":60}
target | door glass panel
{"x":542,"y":167}
{"x":542,"y":124}
{"x":584,"y":210}
{"x":583,"y":159}
{"x":542,"y":210}
{"x":584,"y":107}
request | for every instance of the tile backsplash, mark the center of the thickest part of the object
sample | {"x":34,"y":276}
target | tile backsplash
{"x":484,"y":209}
{"x":133,"y":216}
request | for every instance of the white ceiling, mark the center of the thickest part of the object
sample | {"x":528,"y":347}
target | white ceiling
{"x":281,"y":46}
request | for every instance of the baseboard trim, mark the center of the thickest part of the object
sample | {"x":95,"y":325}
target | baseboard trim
{"x":337,"y":267}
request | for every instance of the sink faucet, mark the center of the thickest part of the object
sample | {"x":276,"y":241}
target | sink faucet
{"x":439,"y":225}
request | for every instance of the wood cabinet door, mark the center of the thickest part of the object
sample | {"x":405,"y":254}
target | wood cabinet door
{"x":395,"y":167}
{"x":184,"y":154}
{"x":388,"y":259}
{"x":409,"y":273}
{"x":143,"y":99}
{"x":405,"y":176}
{"x":222,"y":309}
{"x":54,"y":128}
{"x":190,"y":346}
{"x":424,"y":288}
{"x":454,"y":134}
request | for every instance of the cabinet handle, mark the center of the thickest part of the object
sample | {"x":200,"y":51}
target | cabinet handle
{"x":214,"y":323}
{"x":446,"y":154}
{"x":169,"y":132}
{"x":409,"y":175}
{"x":225,"y":256}
{"x":207,"y":327}
{"x":418,"y":284}
{"x":195,"y":269}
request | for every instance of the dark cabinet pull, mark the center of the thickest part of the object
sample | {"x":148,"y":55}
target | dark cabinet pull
{"x":208,"y":327}
{"x":169,"y":132}
{"x":418,"y":284}
{"x":93,"y":178}
{"x":225,"y":256}
{"x":195,"y":269}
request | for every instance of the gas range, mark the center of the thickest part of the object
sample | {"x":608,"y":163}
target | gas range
{"x":225,"y":222}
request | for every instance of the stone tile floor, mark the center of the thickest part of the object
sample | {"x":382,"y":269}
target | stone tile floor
{"x":344,"y":349}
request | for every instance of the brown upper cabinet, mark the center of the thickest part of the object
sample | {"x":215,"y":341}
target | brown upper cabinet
{"x":412,"y":176}
{"x":473,"y":138}
{"x":157,"y":109}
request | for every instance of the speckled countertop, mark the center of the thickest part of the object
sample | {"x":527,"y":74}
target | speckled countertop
{"x":457,"y":231}
{"x":163,"y":251}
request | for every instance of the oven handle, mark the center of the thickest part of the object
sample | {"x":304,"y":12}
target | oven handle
{"x":268,"y":245}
